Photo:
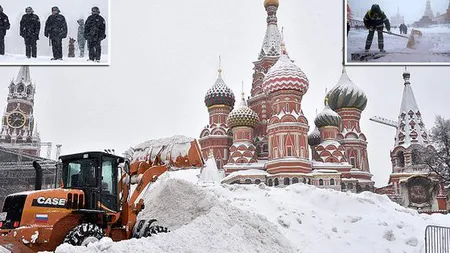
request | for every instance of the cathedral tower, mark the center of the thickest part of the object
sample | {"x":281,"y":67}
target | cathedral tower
{"x":348,"y":100}
{"x":287,"y":128}
{"x":242,"y":121}
{"x":216,"y":135}
{"x":268,"y":55}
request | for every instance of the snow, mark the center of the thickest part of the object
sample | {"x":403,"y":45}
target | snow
{"x":35,"y":236}
{"x":177,"y":145}
{"x":247,"y":172}
{"x":272,"y":39}
{"x":209,"y":174}
{"x":3,"y":250}
{"x":15,"y":59}
{"x":434,"y":46}
{"x":257,"y":218}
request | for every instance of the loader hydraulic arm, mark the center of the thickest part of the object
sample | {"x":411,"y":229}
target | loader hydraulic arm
{"x":141,"y":173}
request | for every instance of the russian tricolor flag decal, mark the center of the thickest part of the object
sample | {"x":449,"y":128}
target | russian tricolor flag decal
{"x":42,"y":218}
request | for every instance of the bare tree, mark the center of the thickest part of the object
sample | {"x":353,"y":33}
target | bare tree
{"x":438,"y":157}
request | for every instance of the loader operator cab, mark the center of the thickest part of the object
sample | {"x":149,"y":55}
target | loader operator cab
{"x":96,"y":174}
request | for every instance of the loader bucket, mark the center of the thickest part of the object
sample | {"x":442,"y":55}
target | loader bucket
{"x":414,"y":38}
{"x":13,"y":245}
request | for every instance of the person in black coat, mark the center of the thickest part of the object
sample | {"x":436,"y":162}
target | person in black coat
{"x":375,"y":20}
{"x":4,"y":25}
{"x":30,"y":26}
{"x":95,"y":32}
{"x":56,"y":31}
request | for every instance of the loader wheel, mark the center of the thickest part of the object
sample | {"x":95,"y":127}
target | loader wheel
{"x":84,"y":234}
{"x":148,"y":228}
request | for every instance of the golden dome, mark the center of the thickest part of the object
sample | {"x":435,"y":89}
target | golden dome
{"x":270,"y":3}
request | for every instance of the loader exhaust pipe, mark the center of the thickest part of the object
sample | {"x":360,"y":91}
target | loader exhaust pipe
{"x":38,"y":180}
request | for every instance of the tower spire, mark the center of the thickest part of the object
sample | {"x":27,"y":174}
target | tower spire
{"x":24,"y":75}
{"x":272,"y":41}
{"x":410,"y":128}
{"x":243,"y":103}
{"x":282,"y":44}
{"x":220,"y":66}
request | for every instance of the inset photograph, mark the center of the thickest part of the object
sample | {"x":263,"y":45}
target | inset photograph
{"x":397,"y":32}
{"x":60,"y":32}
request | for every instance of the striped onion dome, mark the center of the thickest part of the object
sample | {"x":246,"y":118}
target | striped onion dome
{"x":314,"y":137}
{"x":346,"y":94}
{"x":271,"y":3}
{"x":219,"y":93}
{"x":327,"y":117}
{"x":242,"y":116}
{"x":285,"y":75}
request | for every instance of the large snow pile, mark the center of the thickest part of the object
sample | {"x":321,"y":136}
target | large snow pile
{"x":434,"y":46}
{"x":251,"y":218}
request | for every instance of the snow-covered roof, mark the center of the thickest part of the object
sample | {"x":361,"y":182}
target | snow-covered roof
{"x":242,"y":116}
{"x":245,"y":166}
{"x":327,"y":117}
{"x":317,"y":171}
{"x":314,"y":137}
{"x":410,"y":128}
{"x":23,"y":76}
{"x":272,"y":42}
{"x":249,"y":172}
{"x":326,"y":143}
{"x":316,"y":164}
{"x":346,"y":94}
{"x":285,"y":75}
{"x":219,"y":93}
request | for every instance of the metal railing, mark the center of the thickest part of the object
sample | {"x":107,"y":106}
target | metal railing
{"x":437,"y":239}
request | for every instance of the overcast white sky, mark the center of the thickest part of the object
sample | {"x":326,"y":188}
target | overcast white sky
{"x":71,"y":10}
{"x":164,"y":59}
{"x":412,"y":10}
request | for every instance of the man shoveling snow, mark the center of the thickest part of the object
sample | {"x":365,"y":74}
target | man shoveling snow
{"x":375,"y":19}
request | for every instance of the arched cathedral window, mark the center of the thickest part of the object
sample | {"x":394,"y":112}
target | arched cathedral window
{"x":415,"y":157}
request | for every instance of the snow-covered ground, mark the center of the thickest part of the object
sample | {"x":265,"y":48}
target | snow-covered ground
{"x":434,"y":46}
{"x":252,"y":218}
{"x":14,"y":59}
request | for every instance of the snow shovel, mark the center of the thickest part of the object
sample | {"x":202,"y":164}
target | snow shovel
{"x":413,"y":38}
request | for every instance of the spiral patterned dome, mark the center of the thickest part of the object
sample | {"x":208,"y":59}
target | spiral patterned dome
{"x":242,"y":116}
{"x":327,"y":117}
{"x":219,"y":93}
{"x":314,"y":137}
{"x":285,"y":75}
{"x":346,"y":94}
{"x":271,"y":3}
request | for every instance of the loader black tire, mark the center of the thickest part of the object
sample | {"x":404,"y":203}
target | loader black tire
{"x":148,"y":228}
{"x":82,"y":233}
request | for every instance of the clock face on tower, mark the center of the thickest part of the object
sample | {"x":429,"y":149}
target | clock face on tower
{"x":16,"y":119}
